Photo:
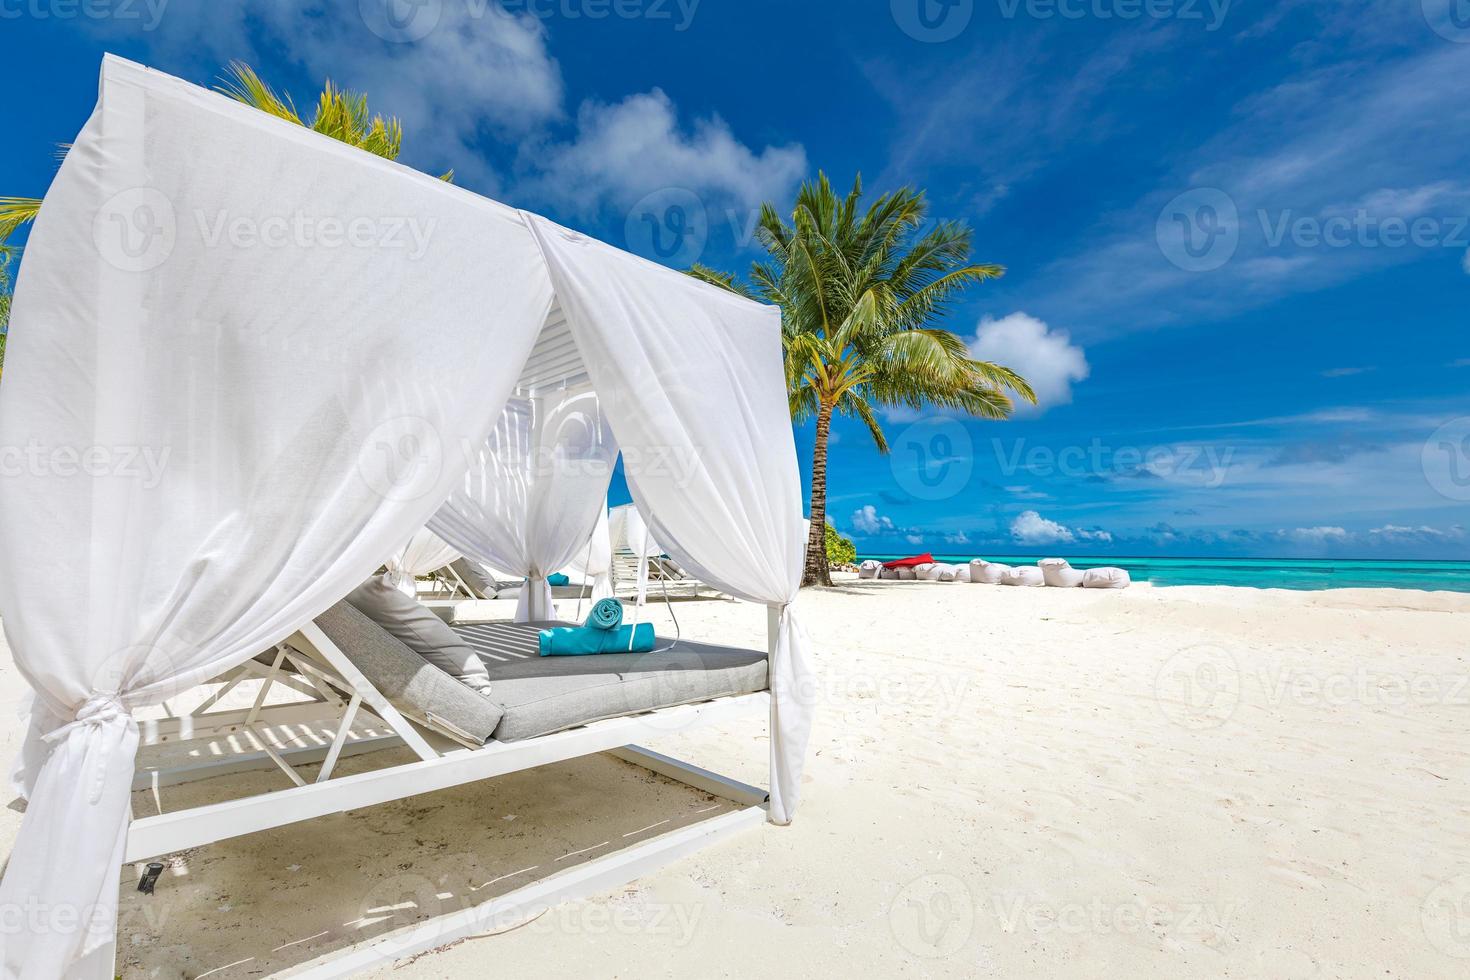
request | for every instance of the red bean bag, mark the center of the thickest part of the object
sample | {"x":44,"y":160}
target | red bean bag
{"x":924,"y":559}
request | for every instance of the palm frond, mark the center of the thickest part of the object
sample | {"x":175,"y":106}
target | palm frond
{"x":724,"y":280}
{"x":241,"y":83}
{"x":15,"y":212}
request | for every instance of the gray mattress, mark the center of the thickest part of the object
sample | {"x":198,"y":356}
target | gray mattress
{"x":532,"y":695}
{"x":538,"y":695}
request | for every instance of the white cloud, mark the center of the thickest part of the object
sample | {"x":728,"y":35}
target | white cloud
{"x":1318,"y":535}
{"x":1094,"y":534}
{"x":1045,"y":357}
{"x":625,"y":150}
{"x":867,"y":520}
{"x":476,"y":72}
{"x":914,"y":538}
{"x":1031,"y":528}
{"x":1400,"y":532}
{"x":959,"y":537}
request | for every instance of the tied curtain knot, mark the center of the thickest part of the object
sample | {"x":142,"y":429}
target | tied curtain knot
{"x":93,"y":718}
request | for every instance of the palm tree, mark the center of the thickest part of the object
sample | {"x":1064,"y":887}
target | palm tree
{"x":859,"y":291}
{"x":340,"y":114}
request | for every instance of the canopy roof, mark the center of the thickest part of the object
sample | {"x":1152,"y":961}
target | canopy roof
{"x":249,"y":362}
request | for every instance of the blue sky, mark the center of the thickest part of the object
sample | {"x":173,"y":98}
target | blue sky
{"x":1236,"y":234}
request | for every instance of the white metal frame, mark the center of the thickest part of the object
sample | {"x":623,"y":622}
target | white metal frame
{"x":337,"y":693}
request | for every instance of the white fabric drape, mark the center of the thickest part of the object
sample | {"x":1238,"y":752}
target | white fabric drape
{"x":631,"y":532}
{"x":242,"y":362}
{"x":692,"y":383}
{"x":594,"y":559}
{"x":531,"y":497}
{"x":423,"y":553}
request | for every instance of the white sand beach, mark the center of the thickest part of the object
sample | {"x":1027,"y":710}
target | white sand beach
{"x":1153,"y":782}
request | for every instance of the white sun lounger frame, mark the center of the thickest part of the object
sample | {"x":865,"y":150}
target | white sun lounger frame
{"x":338,"y":693}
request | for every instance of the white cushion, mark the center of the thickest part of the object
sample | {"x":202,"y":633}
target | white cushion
{"x":945,"y":572}
{"x":922,"y":567}
{"x":888,"y":574}
{"x":420,"y":630}
{"x":907,"y":574}
{"x":962,"y":573}
{"x":870,"y":569}
{"x":1059,"y":574}
{"x":1106,"y":578}
{"x":987,"y":572}
{"x":1025,"y":575}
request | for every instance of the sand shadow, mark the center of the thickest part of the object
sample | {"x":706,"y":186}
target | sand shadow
{"x":269,"y":901}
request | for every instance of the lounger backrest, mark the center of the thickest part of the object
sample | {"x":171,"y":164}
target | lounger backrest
{"x":475,"y":578}
{"x":412,"y":684}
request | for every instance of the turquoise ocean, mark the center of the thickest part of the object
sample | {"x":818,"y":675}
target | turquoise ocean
{"x":1265,"y":573}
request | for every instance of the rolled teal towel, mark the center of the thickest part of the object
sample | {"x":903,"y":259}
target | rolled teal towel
{"x":607,"y":614}
{"x":558,"y":579}
{"x":581,"y":641}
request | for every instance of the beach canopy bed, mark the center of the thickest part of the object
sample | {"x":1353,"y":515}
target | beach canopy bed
{"x":248,"y":363}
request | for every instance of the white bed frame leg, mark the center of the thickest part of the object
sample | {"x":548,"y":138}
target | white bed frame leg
{"x":692,"y":775}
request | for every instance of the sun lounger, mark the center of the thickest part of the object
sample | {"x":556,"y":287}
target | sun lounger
{"x":540,"y":710}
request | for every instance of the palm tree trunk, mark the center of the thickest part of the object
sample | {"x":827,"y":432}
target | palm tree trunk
{"x":817,"y":570}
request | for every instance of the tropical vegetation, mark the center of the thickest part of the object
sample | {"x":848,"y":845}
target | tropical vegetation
{"x":861,"y":290}
{"x":840,"y":550}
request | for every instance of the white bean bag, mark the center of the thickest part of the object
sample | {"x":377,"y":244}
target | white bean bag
{"x":987,"y":572}
{"x":1025,"y":575}
{"x":921,"y":568}
{"x":930,"y":573}
{"x":1106,"y":578}
{"x":962,"y":573}
{"x":906,"y":575}
{"x":946,"y":572}
{"x":1059,"y":574}
{"x":870,"y":569}
{"x":888,"y":574}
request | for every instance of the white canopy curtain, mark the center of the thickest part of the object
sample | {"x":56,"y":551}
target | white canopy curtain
{"x":227,"y":437}
{"x":630,"y":530}
{"x":530,"y":498}
{"x":695,"y":392}
{"x":594,"y":559}
{"x":423,"y":553}
{"x":247,"y":362}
